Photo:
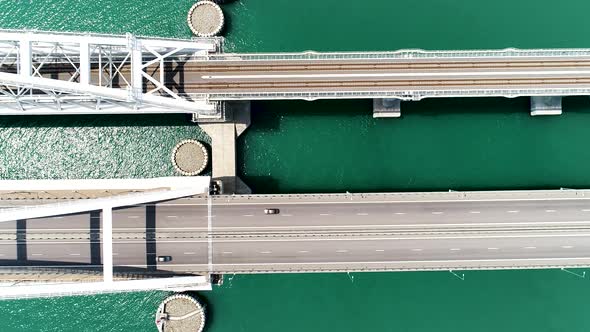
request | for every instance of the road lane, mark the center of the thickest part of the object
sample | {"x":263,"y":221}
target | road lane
{"x":340,"y":234}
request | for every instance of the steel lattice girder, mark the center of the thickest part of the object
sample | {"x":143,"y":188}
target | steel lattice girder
{"x":25,"y":89}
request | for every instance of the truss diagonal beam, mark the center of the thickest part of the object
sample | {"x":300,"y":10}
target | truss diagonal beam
{"x":181,"y":106}
{"x":31,"y":56}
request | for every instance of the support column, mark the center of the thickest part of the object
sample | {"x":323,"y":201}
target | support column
{"x":107,"y":244}
{"x":136,"y":66}
{"x":546,"y":105}
{"x":84,"y":63}
{"x":386,"y":108}
{"x":223,"y":145}
{"x":25,"y":60}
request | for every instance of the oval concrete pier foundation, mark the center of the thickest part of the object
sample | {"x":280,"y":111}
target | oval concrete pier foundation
{"x":190,"y":157}
{"x":180,"y":312}
{"x":205,"y":18}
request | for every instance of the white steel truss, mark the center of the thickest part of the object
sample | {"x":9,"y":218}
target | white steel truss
{"x":67,"y":73}
{"x":149,"y":190}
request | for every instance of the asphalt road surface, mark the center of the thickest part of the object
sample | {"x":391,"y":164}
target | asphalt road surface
{"x":336,"y":235}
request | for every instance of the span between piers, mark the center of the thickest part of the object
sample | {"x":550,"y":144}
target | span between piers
{"x":219,"y":234}
{"x":102,"y":74}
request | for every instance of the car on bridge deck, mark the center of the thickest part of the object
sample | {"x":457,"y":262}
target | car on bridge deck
{"x":272,"y":211}
{"x":164,"y":259}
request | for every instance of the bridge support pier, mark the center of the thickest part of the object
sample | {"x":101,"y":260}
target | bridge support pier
{"x":546,"y":105}
{"x":386,"y":108}
{"x":223,"y":145}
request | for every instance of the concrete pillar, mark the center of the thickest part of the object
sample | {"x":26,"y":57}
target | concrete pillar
{"x":223,"y":145}
{"x":546,"y":105}
{"x":386,"y":108}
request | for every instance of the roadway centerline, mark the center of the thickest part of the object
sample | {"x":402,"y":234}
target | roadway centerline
{"x":291,"y":239}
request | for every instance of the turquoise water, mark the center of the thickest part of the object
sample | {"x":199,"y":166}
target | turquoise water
{"x":458,"y":144}
{"x":330,"y":146}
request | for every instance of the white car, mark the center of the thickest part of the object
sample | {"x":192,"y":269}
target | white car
{"x":272,"y":211}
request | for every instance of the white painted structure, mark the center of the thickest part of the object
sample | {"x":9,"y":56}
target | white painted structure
{"x":146,"y":190}
{"x":23,"y":89}
{"x":19,"y":291}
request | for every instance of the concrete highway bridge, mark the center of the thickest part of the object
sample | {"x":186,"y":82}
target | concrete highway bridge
{"x":219,"y":234}
{"x":313,"y":233}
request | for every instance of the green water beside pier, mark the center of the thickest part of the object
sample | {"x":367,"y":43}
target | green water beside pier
{"x":331,"y":146}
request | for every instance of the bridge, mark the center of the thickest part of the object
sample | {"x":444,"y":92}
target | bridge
{"x":220,"y":234}
{"x":59,"y":73}
{"x":75,"y":237}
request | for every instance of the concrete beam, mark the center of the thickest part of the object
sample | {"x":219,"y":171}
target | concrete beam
{"x":545,"y":105}
{"x":386,"y":108}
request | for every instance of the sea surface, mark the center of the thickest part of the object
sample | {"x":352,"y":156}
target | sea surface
{"x":331,"y":146}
